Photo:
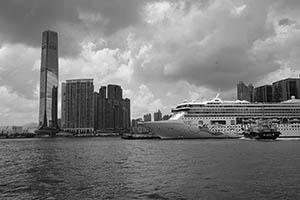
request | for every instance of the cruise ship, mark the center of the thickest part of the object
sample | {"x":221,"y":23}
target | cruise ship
{"x":226,"y":119}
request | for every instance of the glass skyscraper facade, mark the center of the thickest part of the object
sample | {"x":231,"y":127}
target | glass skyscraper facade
{"x":48,"y":81}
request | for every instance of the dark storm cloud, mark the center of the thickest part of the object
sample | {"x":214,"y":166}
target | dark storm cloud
{"x":213,"y":47}
{"x":285,"y":22}
{"x":207,"y":43}
{"x":23,"y":21}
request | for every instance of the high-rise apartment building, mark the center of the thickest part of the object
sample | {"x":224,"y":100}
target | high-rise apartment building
{"x":78,"y":105}
{"x":112,"y":111}
{"x":134,"y":122}
{"x":100,"y":109}
{"x":63,"y":105}
{"x":245,"y":92}
{"x":263,"y":93}
{"x":48,"y":83}
{"x":157,"y":116}
{"x":147,"y":117}
{"x":284,"y":89}
{"x":114,"y":92}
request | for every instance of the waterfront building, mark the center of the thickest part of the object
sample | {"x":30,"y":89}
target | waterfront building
{"x":137,"y":127}
{"x":114,"y":92}
{"x":245,"y":92}
{"x":63,"y":105}
{"x":134,"y":122}
{"x":157,"y":116}
{"x":284,"y":89}
{"x":112,"y":112}
{"x":59,"y":122}
{"x":48,"y":84}
{"x":10,"y":130}
{"x":100,"y":109}
{"x":263,"y":93}
{"x":166,"y":117}
{"x":96,"y":108}
{"x":78,"y":105}
{"x":126,"y":113}
{"x":147,"y":117}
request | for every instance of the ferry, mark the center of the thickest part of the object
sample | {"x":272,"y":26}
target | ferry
{"x":261,"y":130}
{"x":226,"y":119}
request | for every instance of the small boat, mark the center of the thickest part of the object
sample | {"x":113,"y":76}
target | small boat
{"x":139,"y":136}
{"x":262,"y":129}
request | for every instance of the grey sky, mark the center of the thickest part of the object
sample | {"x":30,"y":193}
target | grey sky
{"x":161,"y":52}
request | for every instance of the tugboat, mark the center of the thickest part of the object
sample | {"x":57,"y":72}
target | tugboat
{"x":262,"y":129}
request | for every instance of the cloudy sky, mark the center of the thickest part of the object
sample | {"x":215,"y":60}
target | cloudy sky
{"x":160,"y":52}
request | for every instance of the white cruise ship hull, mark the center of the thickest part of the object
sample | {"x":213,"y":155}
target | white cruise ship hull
{"x":289,"y":131}
{"x":227,"y":119}
{"x":180,"y":130}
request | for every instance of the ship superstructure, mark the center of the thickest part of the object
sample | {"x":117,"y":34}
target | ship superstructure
{"x":226,"y":119}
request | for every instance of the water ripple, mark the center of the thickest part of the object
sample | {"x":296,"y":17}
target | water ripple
{"x":111,"y":168}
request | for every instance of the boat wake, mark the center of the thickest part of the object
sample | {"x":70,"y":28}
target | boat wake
{"x":278,"y":139}
{"x":244,"y":138}
{"x":288,"y":139}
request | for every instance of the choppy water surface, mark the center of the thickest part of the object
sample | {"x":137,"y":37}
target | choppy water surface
{"x":111,"y":168}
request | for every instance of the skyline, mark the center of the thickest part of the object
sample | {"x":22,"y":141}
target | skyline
{"x":188,"y":49}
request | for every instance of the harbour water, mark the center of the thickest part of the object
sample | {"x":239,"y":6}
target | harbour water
{"x":112,"y":168}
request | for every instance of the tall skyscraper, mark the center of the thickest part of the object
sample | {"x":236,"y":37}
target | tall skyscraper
{"x":245,"y":92}
{"x":78,"y":105}
{"x":63,"y":105}
{"x":101,"y":109}
{"x":263,"y":94}
{"x":284,"y":89}
{"x":49,"y":83}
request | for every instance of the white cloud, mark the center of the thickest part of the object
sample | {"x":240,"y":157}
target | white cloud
{"x":18,"y":70}
{"x":16,"y":110}
{"x":104,"y":65}
{"x":238,"y":10}
{"x":144,"y":101}
{"x":156,"y":11}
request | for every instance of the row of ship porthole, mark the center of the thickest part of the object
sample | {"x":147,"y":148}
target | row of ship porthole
{"x":289,"y":126}
{"x":216,"y":129}
{"x":231,"y":127}
{"x":288,"y":129}
{"x":202,"y":118}
{"x":228,"y":129}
